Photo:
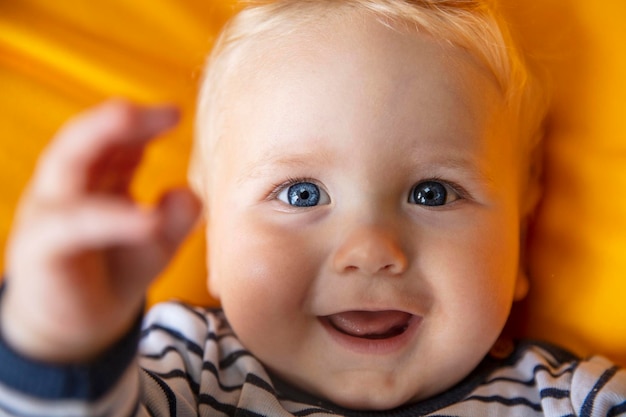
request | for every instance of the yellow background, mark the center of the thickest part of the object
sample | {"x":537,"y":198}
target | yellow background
{"x":58,"y":57}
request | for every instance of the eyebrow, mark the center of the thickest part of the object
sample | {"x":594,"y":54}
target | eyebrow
{"x":264,"y":163}
{"x":467,"y":165}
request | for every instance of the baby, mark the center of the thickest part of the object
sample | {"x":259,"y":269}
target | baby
{"x":366,"y":169}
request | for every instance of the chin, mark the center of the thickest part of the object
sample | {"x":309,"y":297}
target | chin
{"x":370,"y":404}
{"x":369,"y":399}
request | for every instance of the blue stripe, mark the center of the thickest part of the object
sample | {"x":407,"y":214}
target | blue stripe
{"x":180,"y":374}
{"x":160,"y":355}
{"x":259,"y":382}
{"x":227,"y":409}
{"x":554,"y":393}
{"x":232,"y":358}
{"x":617,"y":410}
{"x":587,"y":407}
{"x":192,"y":310}
{"x":509,"y":402}
{"x":189,"y":344}
{"x":533,"y":380}
{"x":210,"y":367}
{"x":310,"y":411}
{"x":169,"y":394}
{"x":217,"y":313}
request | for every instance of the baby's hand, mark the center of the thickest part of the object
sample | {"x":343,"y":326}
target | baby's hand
{"x":82,"y":252}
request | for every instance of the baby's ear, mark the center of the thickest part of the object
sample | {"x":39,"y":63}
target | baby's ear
{"x":529,"y":199}
{"x":531,"y":194}
{"x":213,"y":287}
{"x":531,"y":186}
{"x":214,"y":293}
{"x":521,"y":283}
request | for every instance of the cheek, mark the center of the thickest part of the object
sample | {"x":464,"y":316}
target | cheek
{"x":484,"y":265}
{"x":258,"y":269}
{"x":501,"y":263}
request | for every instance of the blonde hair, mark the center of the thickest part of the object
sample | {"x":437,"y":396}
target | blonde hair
{"x":472,"y":25}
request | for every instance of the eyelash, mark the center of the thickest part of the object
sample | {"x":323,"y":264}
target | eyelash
{"x":278,"y":188}
{"x":462,"y":192}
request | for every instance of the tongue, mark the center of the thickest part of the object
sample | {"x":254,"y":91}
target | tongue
{"x":371,"y":324}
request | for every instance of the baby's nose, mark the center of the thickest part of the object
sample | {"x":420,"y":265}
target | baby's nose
{"x":371,"y":250}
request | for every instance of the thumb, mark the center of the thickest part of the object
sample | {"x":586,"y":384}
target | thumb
{"x":179,"y":209}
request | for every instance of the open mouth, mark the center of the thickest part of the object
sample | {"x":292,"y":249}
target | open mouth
{"x":370,"y":325}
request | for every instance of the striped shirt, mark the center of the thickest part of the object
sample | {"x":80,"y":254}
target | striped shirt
{"x":191,"y":364}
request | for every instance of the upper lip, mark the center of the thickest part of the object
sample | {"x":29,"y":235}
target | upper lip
{"x":370,"y":308}
{"x":386,"y":299}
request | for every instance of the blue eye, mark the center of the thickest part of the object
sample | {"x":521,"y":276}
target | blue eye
{"x":431,"y":193}
{"x":303,"y":194}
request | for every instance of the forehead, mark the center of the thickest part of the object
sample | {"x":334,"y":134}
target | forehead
{"x":351,"y":39}
{"x":356,"y":82}
{"x":357,"y":58}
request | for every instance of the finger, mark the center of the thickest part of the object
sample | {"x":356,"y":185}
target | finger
{"x":81,"y":149}
{"x":179,"y":210}
{"x":91,"y":224}
{"x":113,"y":172}
{"x":138,"y":265}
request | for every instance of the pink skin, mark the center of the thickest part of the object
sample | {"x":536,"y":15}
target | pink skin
{"x":82,"y":253}
{"x":365,"y":113}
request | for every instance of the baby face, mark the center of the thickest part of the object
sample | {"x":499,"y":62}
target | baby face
{"x":364,"y":213}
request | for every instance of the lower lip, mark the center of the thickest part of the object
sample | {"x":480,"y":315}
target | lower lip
{"x":373,"y":346}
